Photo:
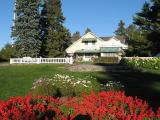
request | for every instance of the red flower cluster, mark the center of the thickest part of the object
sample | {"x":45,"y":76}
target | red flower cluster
{"x":29,"y":108}
{"x":101,"y":106}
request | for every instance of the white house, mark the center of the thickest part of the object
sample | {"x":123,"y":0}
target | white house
{"x":91,"y":46}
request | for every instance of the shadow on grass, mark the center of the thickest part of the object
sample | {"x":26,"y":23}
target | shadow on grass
{"x":143,"y":84}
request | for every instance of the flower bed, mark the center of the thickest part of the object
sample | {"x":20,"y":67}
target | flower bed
{"x":61,"y":85}
{"x":101,"y":106}
{"x":153,"y":63}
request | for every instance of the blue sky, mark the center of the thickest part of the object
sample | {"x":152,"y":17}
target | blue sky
{"x":101,"y":16}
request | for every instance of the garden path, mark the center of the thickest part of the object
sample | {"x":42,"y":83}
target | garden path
{"x":103,"y":68}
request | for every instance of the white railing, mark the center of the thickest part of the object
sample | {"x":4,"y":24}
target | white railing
{"x":143,"y":58}
{"x":29,"y":60}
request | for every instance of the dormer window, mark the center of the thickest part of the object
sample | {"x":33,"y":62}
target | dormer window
{"x":90,"y":43}
{"x":89,"y":40}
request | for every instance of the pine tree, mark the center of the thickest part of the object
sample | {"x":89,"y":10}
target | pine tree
{"x":137,"y":42}
{"x":58,"y":38}
{"x":149,"y":20}
{"x":121,"y":28}
{"x":26,"y":28}
{"x":88,"y":30}
{"x":76,"y":36}
{"x":44,"y":26}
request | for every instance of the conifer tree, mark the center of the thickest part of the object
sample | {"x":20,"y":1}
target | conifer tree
{"x":121,"y":28}
{"x":58,"y":37}
{"x":137,"y":42}
{"x":44,"y":26}
{"x":88,"y":30}
{"x":26,"y":28}
{"x":76,"y":36}
{"x":149,"y":20}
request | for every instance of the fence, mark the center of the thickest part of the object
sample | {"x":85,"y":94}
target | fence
{"x":29,"y":60}
{"x":143,"y":58}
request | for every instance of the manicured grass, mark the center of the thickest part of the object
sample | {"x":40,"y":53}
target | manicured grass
{"x":144,"y":85}
{"x":16,"y":80}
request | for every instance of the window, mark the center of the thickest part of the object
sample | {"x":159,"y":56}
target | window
{"x":86,"y":43}
{"x":93,"y":42}
{"x":90,"y":43}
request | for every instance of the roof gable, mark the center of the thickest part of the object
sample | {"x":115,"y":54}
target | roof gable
{"x":88,"y":35}
{"x":119,"y":38}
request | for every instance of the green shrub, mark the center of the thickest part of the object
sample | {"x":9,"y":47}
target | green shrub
{"x":107,"y":60}
{"x":6,"y":52}
{"x":152,"y":63}
{"x":112,"y":86}
{"x":64,"y":85}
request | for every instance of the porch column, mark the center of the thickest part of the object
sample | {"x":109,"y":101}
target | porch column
{"x":84,"y":56}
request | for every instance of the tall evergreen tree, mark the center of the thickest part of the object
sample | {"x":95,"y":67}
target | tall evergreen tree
{"x":26,"y":28}
{"x":58,"y":38}
{"x":88,"y":30}
{"x":121,"y":28}
{"x":149,"y":20}
{"x":44,"y":26}
{"x":76,"y":36}
{"x":137,"y":42}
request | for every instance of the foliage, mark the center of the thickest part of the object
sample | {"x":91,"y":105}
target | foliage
{"x":58,"y":37}
{"x":6,"y":52}
{"x":38,"y":29}
{"x":106,"y":60}
{"x":64,"y":85}
{"x":138,"y":45}
{"x":43,"y":26}
{"x":149,"y":20}
{"x":121,"y":28}
{"x":104,"y":105}
{"x":113,"y":86}
{"x":25,"y":31}
{"x":76,"y":36}
{"x":153,"y":63}
{"x":88,"y":30}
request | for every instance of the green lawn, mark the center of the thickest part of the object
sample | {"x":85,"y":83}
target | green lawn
{"x":16,"y":80}
{"x":144,"y":85}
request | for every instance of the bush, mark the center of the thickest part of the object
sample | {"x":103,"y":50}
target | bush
{"x":152,"y":63}
{"x":64,"y":86}
{"x":104,"y":105}
{"x":6,"y":53}
{"x":106,"y":60}
{"x":112,"y":86}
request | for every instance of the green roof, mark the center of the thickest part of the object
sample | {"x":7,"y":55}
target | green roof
{"x":102,"y":50}
{"x":89,"y":39}
{"x":88,"y":51}
{"x":110,"y":49}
